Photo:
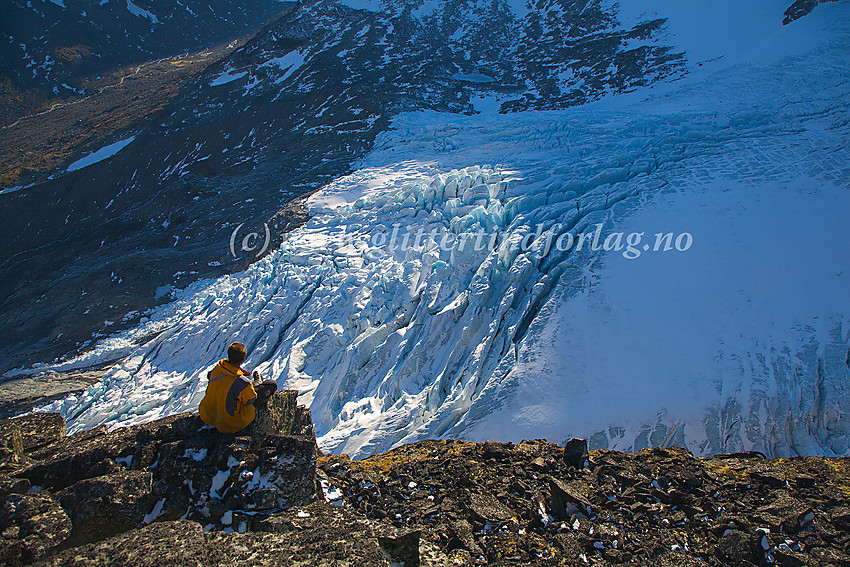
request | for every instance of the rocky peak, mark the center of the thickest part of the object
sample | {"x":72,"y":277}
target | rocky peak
{"x":175,"y":492}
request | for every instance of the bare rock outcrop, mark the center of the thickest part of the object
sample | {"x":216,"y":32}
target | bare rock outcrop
{"x":174,"y":492}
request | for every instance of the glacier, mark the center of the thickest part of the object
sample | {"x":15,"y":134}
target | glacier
{"x":394,"y":327}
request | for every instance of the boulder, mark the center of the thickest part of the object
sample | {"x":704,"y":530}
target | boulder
{"x":10,"y":485}
{"x":787,"y":558}
{"x":30,"y":526}
{"x":401,"y":549}
{"x":768,"y":477}
{"x":734,"y":547}
{"x":841,"y":518}
{"x":787,"y":513}
{"x":569,"y":499}
{"x":288,"y":462}
{"x":280,"y":415}
{"x":36,"y":430}
{"x":104,"y":506}
{"x":486,"y":508}
{"x":575,"y":453}
{"x":163,"y":544}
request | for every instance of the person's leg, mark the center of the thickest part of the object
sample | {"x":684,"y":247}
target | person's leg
{"x":265,"y":390}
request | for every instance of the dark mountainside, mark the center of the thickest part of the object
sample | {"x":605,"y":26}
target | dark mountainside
{"x":48,"y":50}
{"x":173,"y":493}
{"x":800,"y":8}
{"x":75,"y":77}
{"x":88,"y":252}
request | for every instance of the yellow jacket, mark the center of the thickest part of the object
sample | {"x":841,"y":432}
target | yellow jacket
{"x":225,"y":405}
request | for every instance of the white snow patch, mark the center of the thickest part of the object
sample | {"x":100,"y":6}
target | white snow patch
{"x":519,"y":8}
{"x":101,"y":154}
{"x":370,"y":5}
{"x":218,"y":482}
{"x":196,"y":454}
{"x":141,"y":12}
{"x":487,"y":104}
{"x":126,"y":461}
{"x":227,"y":76}
{"x":427,"y":9}
{"x":473,"y":78}
{"x":332,"y":494}
{"x":155,"y":513}
{"x":288,"y":63}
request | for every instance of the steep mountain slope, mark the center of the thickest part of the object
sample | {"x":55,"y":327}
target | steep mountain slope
{"x":48,"y":49}
{"x":435,"y":292}
{"x":282,"y":116}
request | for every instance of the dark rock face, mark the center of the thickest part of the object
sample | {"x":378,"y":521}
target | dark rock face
{"x":575,"y":453}
{"x":801,"y":8}
{"x":107,"y":505}
{"x":254,"y":499}
{"x":165,"y":544}
{"x":54,"y":43}
{"x":30,"y":526}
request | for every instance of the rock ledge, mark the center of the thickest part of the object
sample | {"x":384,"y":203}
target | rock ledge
{"x":174,"y":492}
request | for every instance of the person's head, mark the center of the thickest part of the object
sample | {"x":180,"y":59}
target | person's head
{"x":236,"y":354}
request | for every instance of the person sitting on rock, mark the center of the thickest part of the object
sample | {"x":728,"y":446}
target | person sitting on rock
{"x":230,"y":401}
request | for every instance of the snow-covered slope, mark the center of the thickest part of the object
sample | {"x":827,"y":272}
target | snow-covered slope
{"x":397,"y":319}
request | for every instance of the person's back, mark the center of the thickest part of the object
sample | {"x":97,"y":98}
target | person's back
{"x":228,"y":404}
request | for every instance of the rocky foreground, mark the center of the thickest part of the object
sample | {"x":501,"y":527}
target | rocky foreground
{"x":173,"y":492}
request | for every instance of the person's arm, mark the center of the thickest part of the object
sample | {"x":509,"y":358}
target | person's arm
{"x":257,"y":379}
{"x":248,"y":395}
